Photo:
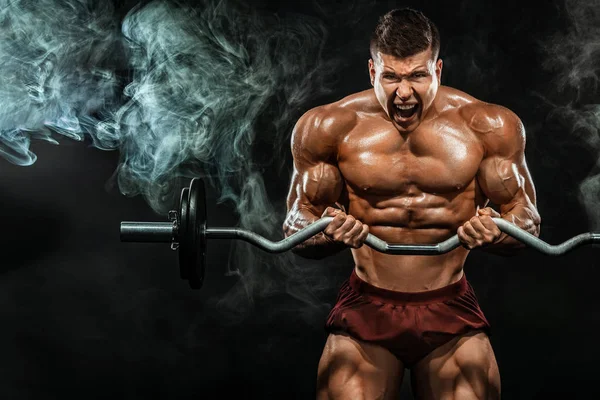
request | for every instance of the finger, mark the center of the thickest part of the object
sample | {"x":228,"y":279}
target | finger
{"x":478,"y":226}
{"x":340,"y":233}
{"x":483,"y":211}
{"x":355,"y":230}
{"x":465,"y":240}
{"x":486,"y":236}
{"x":488,"y":211}
{"x":491,"y":228}
{"x":351,"y":237}
{"x":335,"y":224}
{"x":471,"y":232}
{"x":363,"y":235}
{"x":331,"y":212}
{"x":470,"y":236}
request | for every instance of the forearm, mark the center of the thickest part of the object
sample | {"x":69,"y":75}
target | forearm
{"x":316,"y":247}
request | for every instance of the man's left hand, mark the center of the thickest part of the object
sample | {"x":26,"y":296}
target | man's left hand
{"x":480,"y":230}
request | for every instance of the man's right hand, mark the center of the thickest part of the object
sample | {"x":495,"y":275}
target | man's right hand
{"x":345,"y":228}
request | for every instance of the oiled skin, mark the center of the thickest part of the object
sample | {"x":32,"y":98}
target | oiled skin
{"x":409,"y":188}
{"x":409,"y":179}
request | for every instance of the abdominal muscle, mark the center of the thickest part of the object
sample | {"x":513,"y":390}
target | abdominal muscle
{"x":432,"y":222}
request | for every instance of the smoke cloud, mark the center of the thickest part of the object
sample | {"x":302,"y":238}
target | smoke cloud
{"x":212,"y":90}
{"x":215,"y":92}
{"x":573,"y":57}
{"x":58,"y":61}
{"x":209,"y":85}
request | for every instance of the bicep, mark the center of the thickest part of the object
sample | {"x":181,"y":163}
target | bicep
{"x":503,"y":175}
{"x":316,"y":181}
{"x":314,"y":187}
{"x":505,"y":180}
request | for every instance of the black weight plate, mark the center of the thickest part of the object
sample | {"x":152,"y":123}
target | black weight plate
{"x":197,"y":233}
{"x":182,"y":234}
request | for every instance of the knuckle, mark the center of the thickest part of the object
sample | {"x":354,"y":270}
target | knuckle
{"x":340,"y":218}
{"x":330,"y":211}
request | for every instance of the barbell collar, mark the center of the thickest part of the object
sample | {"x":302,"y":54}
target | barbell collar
{"x":151,"y":232}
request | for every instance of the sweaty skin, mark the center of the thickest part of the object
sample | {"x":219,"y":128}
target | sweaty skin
{"x":420,"y":187}
{"x":409,"y":161}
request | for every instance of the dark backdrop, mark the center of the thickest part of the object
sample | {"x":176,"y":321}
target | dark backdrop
{"x":84,"y":314}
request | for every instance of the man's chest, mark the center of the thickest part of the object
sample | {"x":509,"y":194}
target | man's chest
{"x":381,"y":161}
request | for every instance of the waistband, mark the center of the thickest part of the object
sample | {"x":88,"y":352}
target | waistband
{"x":391,"y":296}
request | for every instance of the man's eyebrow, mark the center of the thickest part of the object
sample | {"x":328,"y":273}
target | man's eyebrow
{"x":418,"y":70}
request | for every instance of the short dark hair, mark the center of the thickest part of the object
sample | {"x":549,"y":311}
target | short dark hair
{"x":405,"y":32}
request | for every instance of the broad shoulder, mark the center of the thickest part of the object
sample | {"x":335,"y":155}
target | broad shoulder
{"x":327,"y":124}
{"x":495,"y":125}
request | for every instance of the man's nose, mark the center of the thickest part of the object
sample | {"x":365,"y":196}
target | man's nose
{"x":404,"y":90}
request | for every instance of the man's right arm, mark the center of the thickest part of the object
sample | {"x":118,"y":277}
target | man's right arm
{"x":317,"y":185}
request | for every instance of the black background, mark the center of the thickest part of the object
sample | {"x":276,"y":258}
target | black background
{"x":84,"y":314}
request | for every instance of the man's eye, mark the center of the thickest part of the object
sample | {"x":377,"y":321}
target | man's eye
{"x":389,"y":76}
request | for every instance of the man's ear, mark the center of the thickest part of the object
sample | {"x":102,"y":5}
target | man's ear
{"x":372,"y":71}
{"x":438,"y":70}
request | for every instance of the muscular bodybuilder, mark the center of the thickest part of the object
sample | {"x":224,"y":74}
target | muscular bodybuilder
{"x":410,"y":161}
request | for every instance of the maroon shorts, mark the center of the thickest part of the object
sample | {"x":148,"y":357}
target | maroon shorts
{"x":410,"y":325}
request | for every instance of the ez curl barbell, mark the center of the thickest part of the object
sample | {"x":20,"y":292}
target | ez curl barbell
{"x":188,"y":233}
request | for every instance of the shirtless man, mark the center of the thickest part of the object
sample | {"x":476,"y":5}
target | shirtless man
{"x":409,"y":161}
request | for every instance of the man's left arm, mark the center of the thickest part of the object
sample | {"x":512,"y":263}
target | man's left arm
{"x":505,"y":180}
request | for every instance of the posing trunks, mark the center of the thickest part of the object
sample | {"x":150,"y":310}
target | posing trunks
{"x":410,"y":325}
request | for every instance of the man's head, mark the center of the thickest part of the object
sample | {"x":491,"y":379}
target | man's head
{"x":404,"y":66}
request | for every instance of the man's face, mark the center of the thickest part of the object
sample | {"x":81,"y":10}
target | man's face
{"x":405,"y":87}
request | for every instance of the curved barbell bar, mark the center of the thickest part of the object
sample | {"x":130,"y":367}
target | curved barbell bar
{"x":188,"y":233}
{"x":164,"y":232}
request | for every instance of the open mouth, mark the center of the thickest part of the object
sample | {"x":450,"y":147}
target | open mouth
{"x":406,"y":111}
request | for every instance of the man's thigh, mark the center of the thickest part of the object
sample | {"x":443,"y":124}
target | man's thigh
{"x":352,"y":369}
{"x":464,"y":368}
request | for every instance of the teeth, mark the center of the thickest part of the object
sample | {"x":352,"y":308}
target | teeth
{"x":405,"y":107}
